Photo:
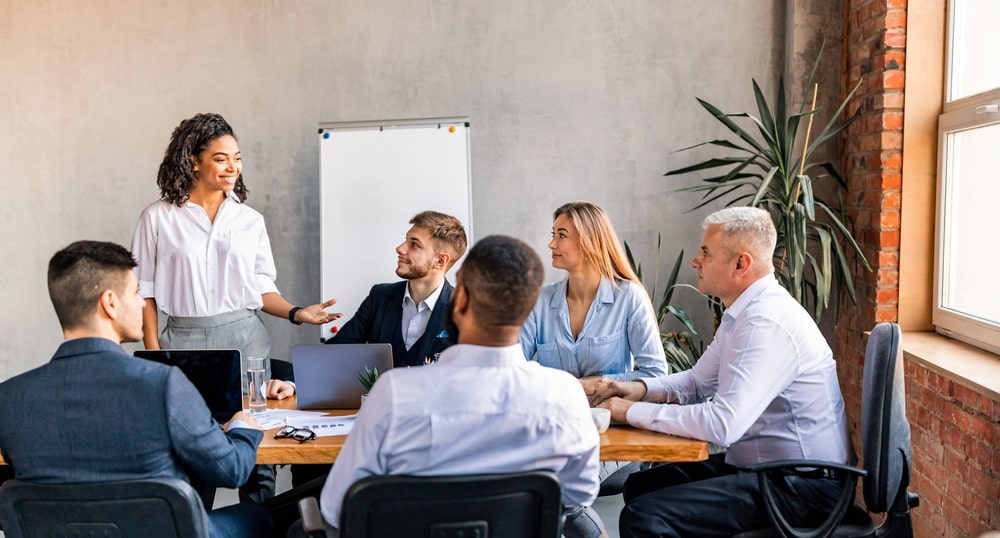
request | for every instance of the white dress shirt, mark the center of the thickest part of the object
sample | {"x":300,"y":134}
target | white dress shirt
{"x":766,"y":386}
{"x":194,"y":268}
{"x":477,"y":410}
{"x":416,"y":316}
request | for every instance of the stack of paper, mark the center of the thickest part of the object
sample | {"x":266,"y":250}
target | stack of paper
{"x":322,"y":426}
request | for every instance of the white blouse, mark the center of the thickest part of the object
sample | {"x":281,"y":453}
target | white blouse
{"x":194,"y":268}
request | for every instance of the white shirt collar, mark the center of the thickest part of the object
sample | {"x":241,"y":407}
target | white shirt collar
{"x":430,"y":302}
{"x":749,"y":294}
{"x":473,"y":355}
{"x":230,"y":197}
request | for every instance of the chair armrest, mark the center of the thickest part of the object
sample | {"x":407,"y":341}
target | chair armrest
{"x":773,"y":504}
{"x":792,"y":464}
{"x":312,"y":520}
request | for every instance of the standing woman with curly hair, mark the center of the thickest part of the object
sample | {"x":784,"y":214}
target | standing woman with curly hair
{"x":204,"y":255}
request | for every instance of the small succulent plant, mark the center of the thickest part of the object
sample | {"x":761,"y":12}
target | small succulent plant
{"x":368,"y":377}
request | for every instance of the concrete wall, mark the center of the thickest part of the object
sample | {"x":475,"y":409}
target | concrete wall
{"x":567,"y":99}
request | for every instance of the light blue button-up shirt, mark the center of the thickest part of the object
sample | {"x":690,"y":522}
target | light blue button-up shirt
{"x":766,"y":386}
{"x":619,"y":339}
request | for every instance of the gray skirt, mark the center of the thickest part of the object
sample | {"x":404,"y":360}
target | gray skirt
{"x":240,"y":329}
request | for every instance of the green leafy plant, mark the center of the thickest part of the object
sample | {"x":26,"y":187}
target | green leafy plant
{"x":768,"y":171}
{"x":681,"y":347}
{"x":368,"y":377}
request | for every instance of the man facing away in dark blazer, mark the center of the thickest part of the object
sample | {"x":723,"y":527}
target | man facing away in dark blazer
{"x":410,"y":314}
{"x":96,"y":414}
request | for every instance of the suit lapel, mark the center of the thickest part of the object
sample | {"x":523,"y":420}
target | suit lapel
{"x":392,"y":312}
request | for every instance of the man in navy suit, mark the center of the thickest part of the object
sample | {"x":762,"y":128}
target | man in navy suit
{"x":410,"y":314}
{"x":95,"y":414}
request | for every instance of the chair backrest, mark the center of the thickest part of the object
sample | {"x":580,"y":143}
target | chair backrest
{"x":151,"y":508}
{"x":885,"y":432}
{"x":517,"y":505}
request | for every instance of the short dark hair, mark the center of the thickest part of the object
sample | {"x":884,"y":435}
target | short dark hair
{"x":80,"y":273}
{"x":189,"y":139}
{"x":446,"y":231}
{"x":502,"y":277}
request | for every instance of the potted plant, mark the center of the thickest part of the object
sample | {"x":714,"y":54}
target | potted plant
{"x":681,"y":347}
{"x":768,"y":170}
{"x":367,"y":379}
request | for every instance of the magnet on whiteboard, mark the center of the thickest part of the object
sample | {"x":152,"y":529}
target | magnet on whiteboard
{"x":451,"y":129}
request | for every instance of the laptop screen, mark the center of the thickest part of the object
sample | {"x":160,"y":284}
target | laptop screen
{"x":214,"y":372}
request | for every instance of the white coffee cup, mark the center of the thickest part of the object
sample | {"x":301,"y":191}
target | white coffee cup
{"x":602,"y":418}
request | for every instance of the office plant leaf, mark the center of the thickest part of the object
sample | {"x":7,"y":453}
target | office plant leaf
{"x":768,"y":168}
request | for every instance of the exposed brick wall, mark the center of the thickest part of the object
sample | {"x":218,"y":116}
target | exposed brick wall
{"x":874,"y":55}
{"x":955,"y":430}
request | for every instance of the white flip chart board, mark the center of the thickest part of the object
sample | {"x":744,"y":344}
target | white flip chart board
{"x":374,"y":176}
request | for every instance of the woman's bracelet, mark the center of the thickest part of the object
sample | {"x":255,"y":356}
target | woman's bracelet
{"x":291,"y":315}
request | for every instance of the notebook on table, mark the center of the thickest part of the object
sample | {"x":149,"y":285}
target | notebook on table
{"x":214,"y":372}
{"x":326,"y":376}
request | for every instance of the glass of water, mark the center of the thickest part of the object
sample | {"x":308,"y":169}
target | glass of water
{"x":255,"y":383}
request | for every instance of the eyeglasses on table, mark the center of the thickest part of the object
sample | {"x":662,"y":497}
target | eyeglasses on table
{"x":299,"y":434}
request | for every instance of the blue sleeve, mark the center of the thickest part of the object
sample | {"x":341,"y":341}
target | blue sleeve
{"x":643,"y":337}
{"x":220,"y":459}
{"x":529,"y":334}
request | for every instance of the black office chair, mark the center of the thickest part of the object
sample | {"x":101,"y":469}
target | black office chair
{"x":885,"y":439}
{"x":152,"y":508}
{"x":282,"y":369}
{"x":517,"y":505}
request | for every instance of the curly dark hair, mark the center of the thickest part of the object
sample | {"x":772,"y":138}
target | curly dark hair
{"x":190,"y":138}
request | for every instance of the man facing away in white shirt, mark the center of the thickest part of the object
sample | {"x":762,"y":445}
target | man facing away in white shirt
{"x":766,"y":387}
{"x":482,"y":408}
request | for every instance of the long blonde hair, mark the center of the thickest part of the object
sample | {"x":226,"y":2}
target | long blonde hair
{"x":598,"y":240}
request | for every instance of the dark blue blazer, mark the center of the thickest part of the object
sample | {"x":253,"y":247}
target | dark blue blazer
{"x":95,"y":414}
{"x":381,"y":315}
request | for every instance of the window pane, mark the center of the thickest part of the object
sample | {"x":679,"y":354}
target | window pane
{"x":970,"y":282}
{"x":974,"y":45}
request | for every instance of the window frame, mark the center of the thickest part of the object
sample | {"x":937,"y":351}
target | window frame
{"x":963,"y":114}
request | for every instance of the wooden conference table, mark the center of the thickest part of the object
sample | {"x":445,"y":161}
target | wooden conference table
{"x":618,"y":443}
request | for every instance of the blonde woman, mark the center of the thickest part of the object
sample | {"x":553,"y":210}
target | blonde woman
{"x":598,"y":321}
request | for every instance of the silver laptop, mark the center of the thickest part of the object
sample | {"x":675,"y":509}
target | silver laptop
{"x":326,"y":375}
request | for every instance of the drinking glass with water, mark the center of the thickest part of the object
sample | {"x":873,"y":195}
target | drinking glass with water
{"x":257,"y":372}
